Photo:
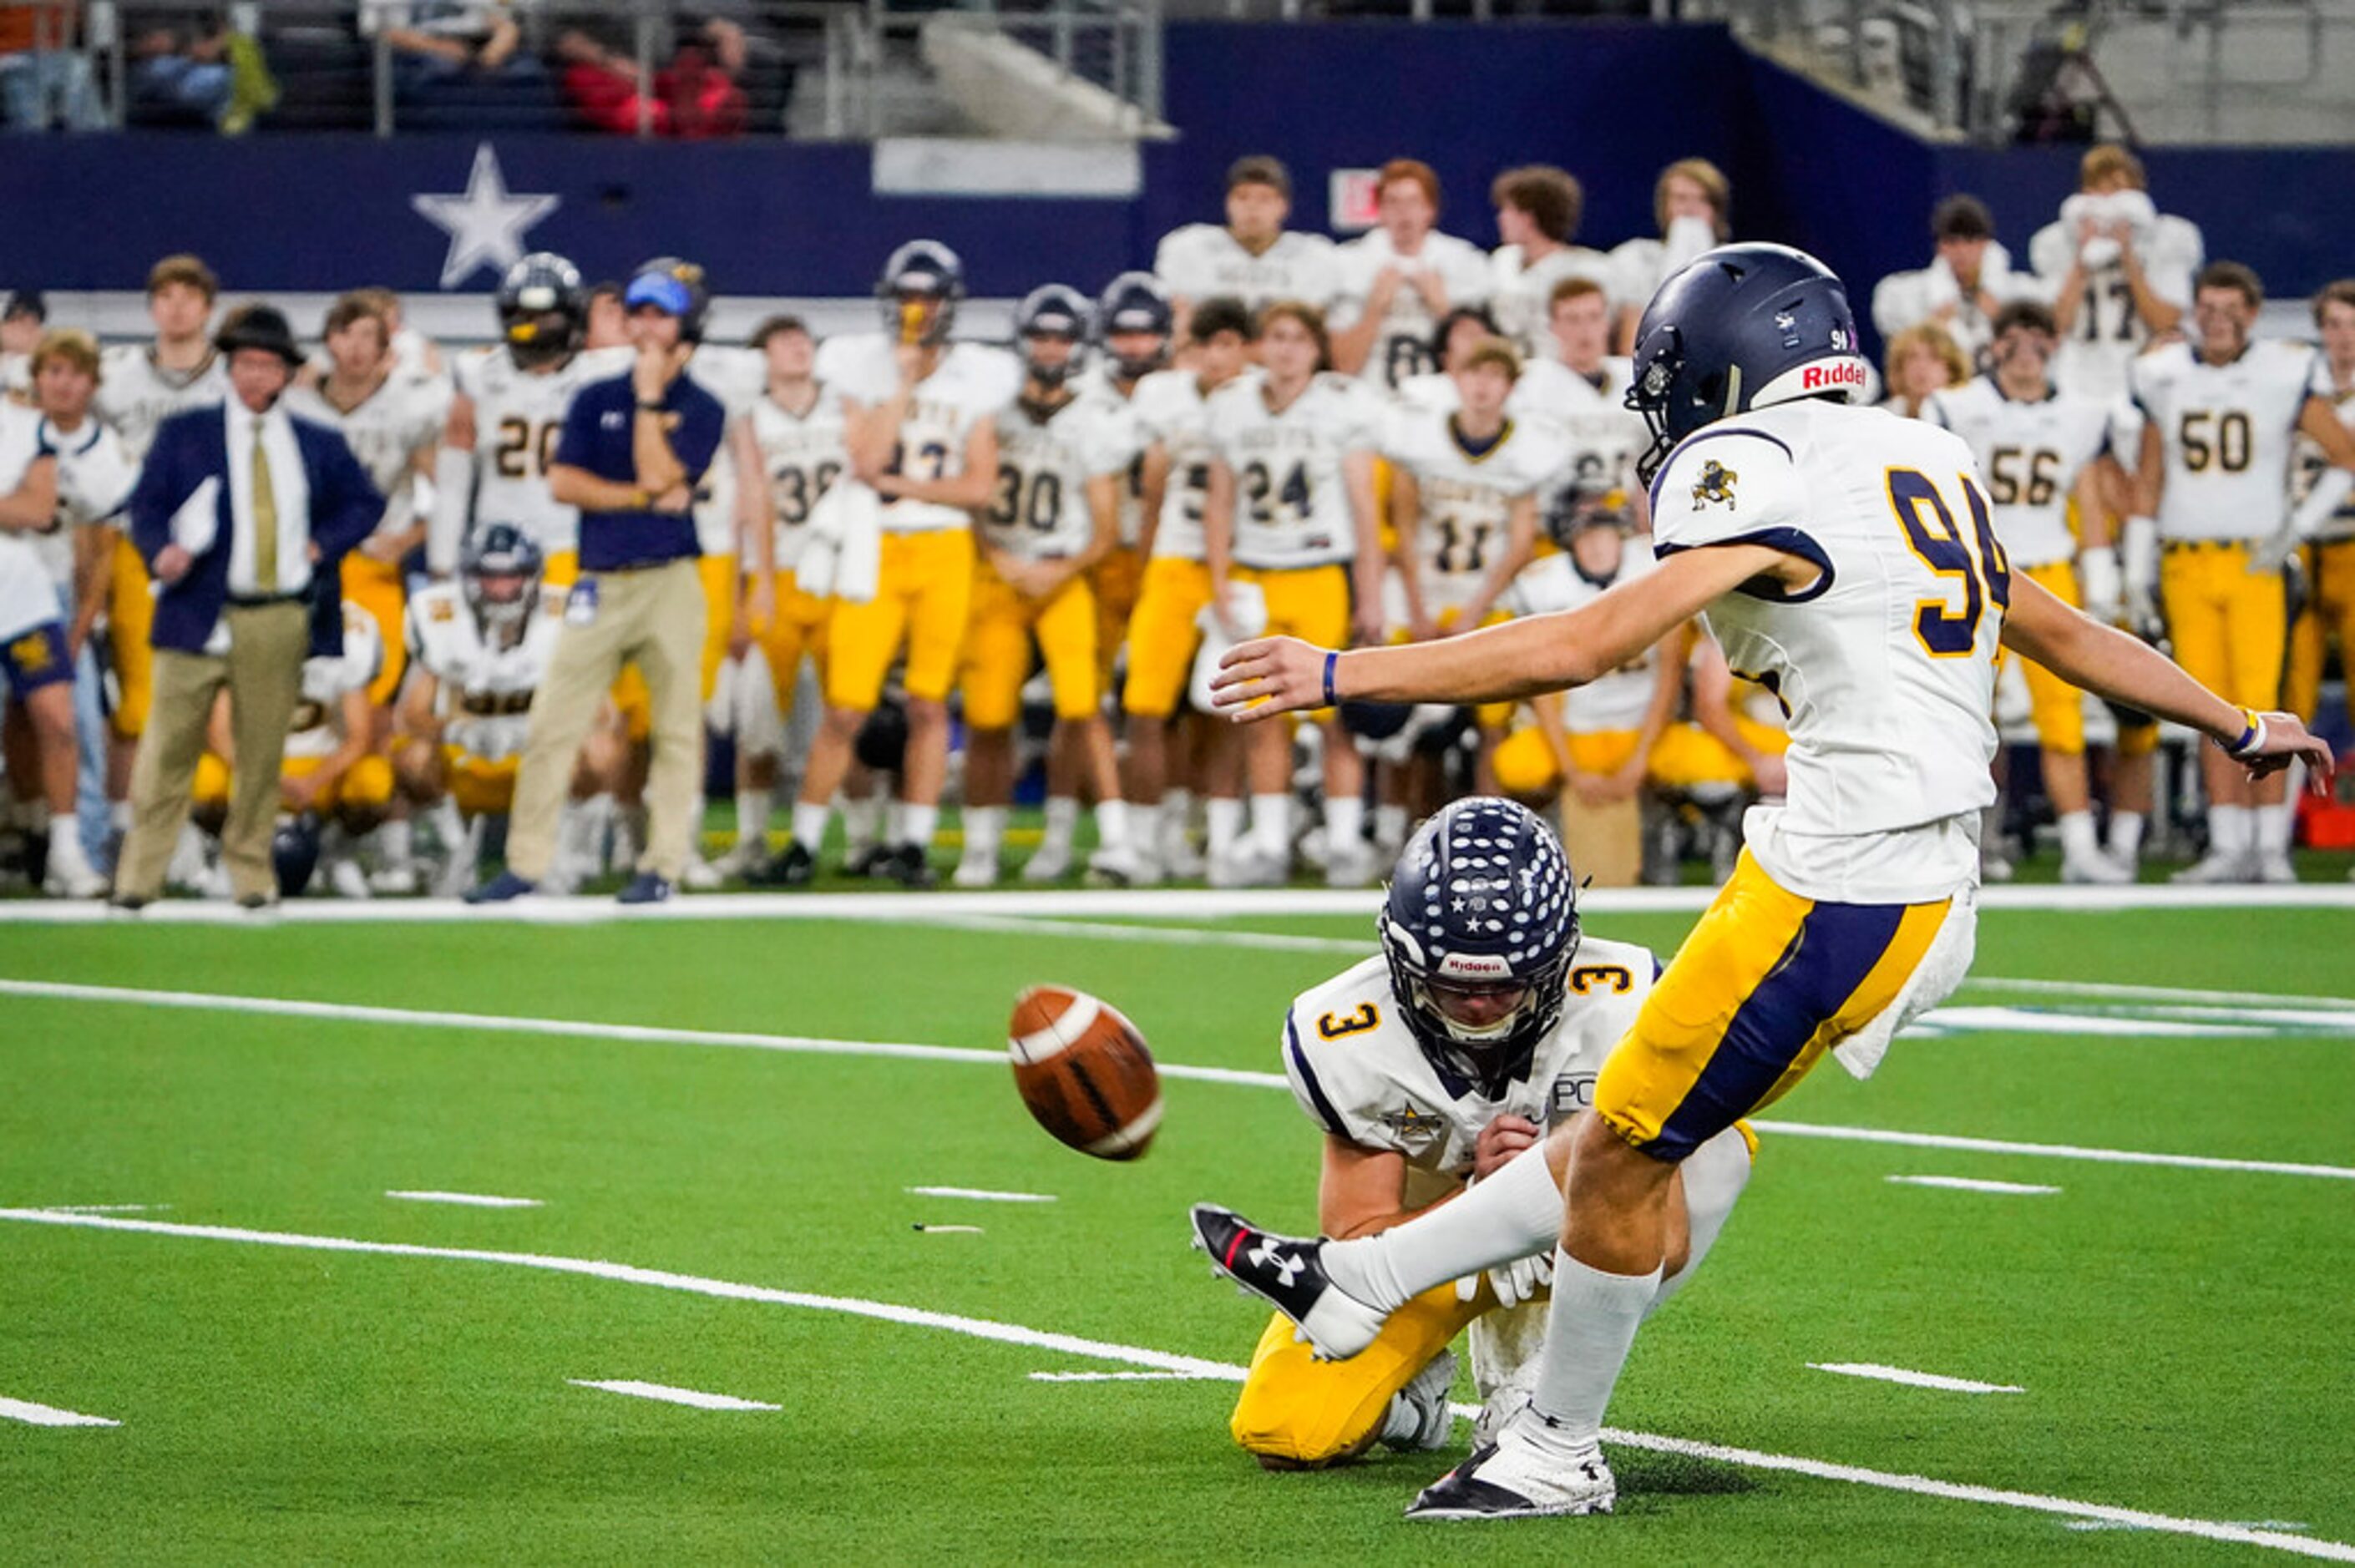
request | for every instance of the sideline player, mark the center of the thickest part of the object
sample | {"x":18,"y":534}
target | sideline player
{"x":1253,"y":258}
{"x":2330,"y":559}
{"x":1399,"y":280}
{"x":1053,"y":514}
{"x":922,"y":417}
{"x":2217,"y":442}
{"x":1451,"y":1056}
{"x":2040,"y":449}
{"x":1289,"y":510}
{"x":2118,"y":271}
{"x":1580,"y":387}
{"x":1845,"y":558}
{"x":1537,"y":209}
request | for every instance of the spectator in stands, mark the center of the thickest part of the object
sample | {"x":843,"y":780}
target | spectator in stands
{"x":203,"y":77}
{"x":1920,"y":360}
{"x":44,"y":80}
{"x":1692,"y":203}
{"x":2118,"y":272}
{"x":608,"y":324}
{"x":1537,"y":209}
{"x":1962,"y":287}
{"x":695,"y":96}
{"x":437,"y":40}
{"x":22,"y":320}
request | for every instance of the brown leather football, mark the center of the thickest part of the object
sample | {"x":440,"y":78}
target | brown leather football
{"x":1085,"y":1072}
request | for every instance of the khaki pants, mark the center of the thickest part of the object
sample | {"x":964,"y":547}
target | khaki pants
{"x":264,"y":675}
{"x":653,"y":619}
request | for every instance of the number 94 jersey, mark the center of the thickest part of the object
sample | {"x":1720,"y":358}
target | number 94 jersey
{"x":1358,"y":1072}
{"x":2229,"y":432}
{"x":1885,"y":662}
{"x":1292,"y":503}
{"x":2032,"y":454}
{"x":1039,"y":509}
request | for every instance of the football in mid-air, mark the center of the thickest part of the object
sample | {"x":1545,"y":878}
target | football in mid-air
{"x":1085,"y":1072}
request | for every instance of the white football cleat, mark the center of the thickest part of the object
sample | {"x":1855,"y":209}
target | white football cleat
{"x":700,"y":875}
{"x":1123,"y":865}
{"x":1351,"y":865}
{"x":2096,"y":870}
{"x":1419,"y":1420}
{"x":2273,"y":867}
{"x":975,"y":870}
{"x":189,"y":864}
{"x":344,"y":876}
{"x":68,"y":873}
{"x":397,"y":881}
{"x":1177,"y":853}
{"x":1049,"y":863}
{"x":1524,"y":1475}
{"x":2218,"y":867}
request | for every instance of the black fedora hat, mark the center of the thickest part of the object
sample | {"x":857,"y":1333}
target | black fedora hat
{"x":259,"y":326}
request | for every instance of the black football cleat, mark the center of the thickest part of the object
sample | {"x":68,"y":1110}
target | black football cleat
{"x":911,"y":867}
{"x":794,"y":866}
{"x":1288,"y":1274}
{"x":1520,"y":1477}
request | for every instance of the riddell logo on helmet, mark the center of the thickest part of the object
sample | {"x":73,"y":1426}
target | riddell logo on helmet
{"x":1474,"y":966}
{"x":1840,"y":373}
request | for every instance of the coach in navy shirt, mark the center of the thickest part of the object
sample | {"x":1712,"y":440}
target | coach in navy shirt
{"x":632,"y":456}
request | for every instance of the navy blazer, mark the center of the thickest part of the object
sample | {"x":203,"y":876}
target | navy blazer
{"x":193,"y":447}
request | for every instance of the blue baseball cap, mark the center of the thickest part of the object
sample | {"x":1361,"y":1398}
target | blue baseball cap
{"x":660,"y":290}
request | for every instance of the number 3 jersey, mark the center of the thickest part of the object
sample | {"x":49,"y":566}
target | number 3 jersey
{"x":1039,"y":509}
{"x":1467,"y":492}
{"x":1359,"y":1073}
{"x":1885,"y":662}
{"x":1292,"y":501}
{"x":2032,"y":454}
{"x":484,"y":686}
{"x":2229,"y":433}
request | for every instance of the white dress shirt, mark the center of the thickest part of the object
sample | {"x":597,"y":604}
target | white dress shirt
{"x":289,"y":485}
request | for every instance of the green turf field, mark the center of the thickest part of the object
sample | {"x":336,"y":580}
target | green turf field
{"x":2181,"y":1333}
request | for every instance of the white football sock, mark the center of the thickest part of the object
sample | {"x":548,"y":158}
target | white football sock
{"x":1177,"y":808}
{"x":2230,"y":829}
{"x":1714,"y":1174}
{"x":1270,"y":817}
{"x":895,"y":822}
{"x":1590,"y":1328}
{"x":1390,"y":825}
{"x":2276,"y":826}
{"x":1144,"y":825}
{"x":1345,"y":823}
{"x":809,"y":825}
{"x":917,"y":823}
{"x":2077,"y":840}
{"x":1513,"y":1214}
{"x":1112,"y":824}
{"x":2125,"y":835}
{"x":1062,"y":821}
{"x":1224,"y":818}
{"x":752,"y":817}
{"x":396,"y":844}
{"x":985,"y":830}
{"x":448,"y":827}
{"x":862,"y":825}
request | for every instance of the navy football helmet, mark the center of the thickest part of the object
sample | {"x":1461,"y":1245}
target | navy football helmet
{"x":1136,"y":302}
{"x":294,"y":853}
{"x":1052,"y":310}
{"x":920,"y":271}
{"x":501,"y":551}
{"x":543,"y":308}
{"x":1739,"y":328}
{"x":1479,"y":924}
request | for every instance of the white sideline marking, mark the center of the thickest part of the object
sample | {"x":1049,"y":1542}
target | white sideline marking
{"x":2030,"y":1021}
{"x":1182,"y":903}
{"x":983,"y":1194}
{"x":1196,"y":1367}
{"x":643,"y":1034}
{"x":104,"y":1208}
{"x":670,"y":1395}
{"x":1967,"y":1184}
{"x":32,"y":1414}
{"x":2252,"y":1524}
{"x":468,"y":1200}
{"x":948,"y":1230}
{"x":1113,"y":1377}
{"x":2107,"y":990}
{"x":1880,"y":1374}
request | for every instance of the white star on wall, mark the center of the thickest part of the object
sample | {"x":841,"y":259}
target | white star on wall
{"x":486,"y":224}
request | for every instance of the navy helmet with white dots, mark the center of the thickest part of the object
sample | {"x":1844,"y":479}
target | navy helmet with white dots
{"x":1481,"y":903}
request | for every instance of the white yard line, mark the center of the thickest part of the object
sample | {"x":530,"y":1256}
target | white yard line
{"x":1112,"y":1377}
{"x":1880,"y":1374}
{"x":1175,"y":904}
{"x":796,"y":1043}
{"x":467,"y":1199}
{"x":947,"y":1230}
{"x":2104,"y":990}
{"x":104,"y":1208}
{"x":32,"y":1414}
{"x":2032,"y":1020}
{"x":983,"y":1194}
{"x":1966,"y":1184}
{"x":669,"y":1395}
{"x":1189,"y":1367}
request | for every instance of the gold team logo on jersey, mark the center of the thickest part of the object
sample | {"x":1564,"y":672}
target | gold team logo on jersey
{"x":1716,"y":485}
{"x":1414,"y":1126}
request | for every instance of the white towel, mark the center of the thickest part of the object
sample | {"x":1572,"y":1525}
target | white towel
{"x":198,"y":522}
{"x":844,"y":557}
{"x":1249,"y":607}
{"x":1942,"y":969}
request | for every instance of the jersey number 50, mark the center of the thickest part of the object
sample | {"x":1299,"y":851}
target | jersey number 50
{"x":1938,"y":542}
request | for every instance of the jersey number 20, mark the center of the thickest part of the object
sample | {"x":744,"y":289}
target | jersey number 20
{"x":1932,"y":535}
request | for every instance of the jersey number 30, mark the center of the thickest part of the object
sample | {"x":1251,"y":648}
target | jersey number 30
{"x":1938,"y":541}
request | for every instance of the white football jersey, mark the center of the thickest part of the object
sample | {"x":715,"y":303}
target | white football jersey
{"x":1203,"y":260}
{"x":94,"y":482}
{"x":2339,"y":525}
{"x":1602,"y":436}
{"x":1292,"y":504}
{"x":2107,"y":334}
{"x":1098,"y":381}
{"x":1464,"y":522}
{"x":1171,"y":409}
{"x":317,"y":727}
{"x":385,"y":430}
{"x":1619,"y":700}
{"x":28,"y":590}
{"x":1522,"y":295}
{"x":2228,"y":432}
{"x":485,"y":686}
{"x":2032,"y":454}
{"x":1039,"y":509}
{"x":134,"y":395}
{"x":803,"y":455}
{"x":1359,"y":1074}
{"x":1402,"y":346}
{"x":972,"y":383}
{"x":17,"y":376}
{"x":518,"y":418}
{"x":1886,"y":662}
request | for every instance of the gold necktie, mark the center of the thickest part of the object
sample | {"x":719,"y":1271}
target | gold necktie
{"x":265,"y":521}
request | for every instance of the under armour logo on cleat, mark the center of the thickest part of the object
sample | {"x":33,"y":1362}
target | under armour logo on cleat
{"x":1286,"y":1268}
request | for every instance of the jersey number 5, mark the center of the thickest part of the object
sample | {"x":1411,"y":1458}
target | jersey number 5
{"x":1932,"y":534}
